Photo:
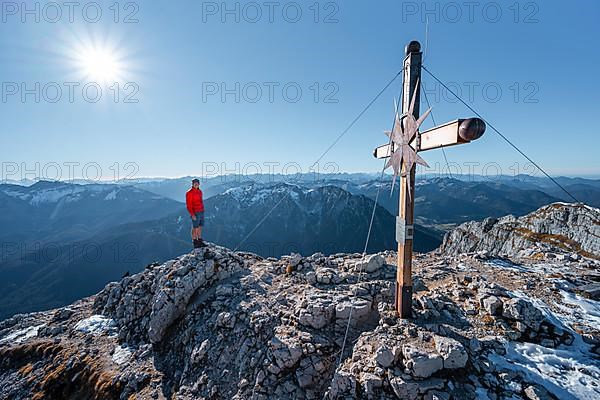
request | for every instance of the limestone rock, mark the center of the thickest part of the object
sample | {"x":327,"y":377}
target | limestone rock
{"x":524,"y":311}
{"x":421,"y":363}
{"x":286,"y":351}
{"x":371,"y":263}
{"x":359,"y":308}
{"x":405,"y":390}
{"x":536,"y":392}
{"x":384,"y":357}
{"x":492,"y":305}
{"x":571,"y":228}
{"x":317,"y":314}
{"x":452,"y":352}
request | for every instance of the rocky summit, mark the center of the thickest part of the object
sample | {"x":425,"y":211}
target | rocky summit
{"x":569,"y":227}
{"x":508,"y":312}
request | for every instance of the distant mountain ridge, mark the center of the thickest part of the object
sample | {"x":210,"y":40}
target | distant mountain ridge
{"x":58,"y":211}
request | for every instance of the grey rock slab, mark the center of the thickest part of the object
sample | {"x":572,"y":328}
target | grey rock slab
{"x":492,"y":305}
{"x":522,"y":310}
{"x":591,"y":291}
{"x":537,"y":392}
{"x":405,"y":390}
{"x":370,"y":264}
{"x":452,"y":352}
{"x":421,"y":363}
{"x":384,"y":357}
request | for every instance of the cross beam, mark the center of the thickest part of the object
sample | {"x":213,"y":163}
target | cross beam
{"x":449,"y":134}
{"x":455,"y":132}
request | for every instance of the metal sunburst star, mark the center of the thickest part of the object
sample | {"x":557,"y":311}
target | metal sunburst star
{"x":406,"y":127}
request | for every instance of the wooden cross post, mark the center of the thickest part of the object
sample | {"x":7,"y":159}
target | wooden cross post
{"x":451,"y":133}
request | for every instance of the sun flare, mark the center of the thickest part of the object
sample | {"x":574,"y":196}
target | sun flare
{"x":101,"y":65}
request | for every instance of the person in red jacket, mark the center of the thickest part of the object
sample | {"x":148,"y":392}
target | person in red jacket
{"x":195,"y":206}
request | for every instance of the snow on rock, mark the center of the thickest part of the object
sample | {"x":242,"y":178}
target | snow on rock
{"x":121,"y":355}
{"x":96,"y":324}
{"x":581,"y":310}
{"x":111,"y":195}
{"x":568,"y":373}
{"x":21,"y":335}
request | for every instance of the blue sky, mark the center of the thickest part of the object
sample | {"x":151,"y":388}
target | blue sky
{"x":529,"y":67}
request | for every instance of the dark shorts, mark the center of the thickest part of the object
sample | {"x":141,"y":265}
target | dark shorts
{"x":199,"y":220}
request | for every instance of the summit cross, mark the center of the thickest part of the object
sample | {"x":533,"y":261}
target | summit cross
{"x":401,"y":151}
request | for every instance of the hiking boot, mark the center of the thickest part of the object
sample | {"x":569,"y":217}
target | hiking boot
{"x":197,"y":243}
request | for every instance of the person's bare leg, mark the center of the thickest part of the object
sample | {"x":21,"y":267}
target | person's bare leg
{"x":200,"y":232}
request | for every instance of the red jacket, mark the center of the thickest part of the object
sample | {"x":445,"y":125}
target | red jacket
{"x":193,"y":201}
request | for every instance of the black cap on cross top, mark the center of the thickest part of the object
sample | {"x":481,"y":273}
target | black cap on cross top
{"x":413,"y":47}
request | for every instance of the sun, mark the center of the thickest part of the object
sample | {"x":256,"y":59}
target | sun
{"x":100,"y":64}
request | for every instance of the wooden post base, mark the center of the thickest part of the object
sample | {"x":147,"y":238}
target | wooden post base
{"x":404,"y":301}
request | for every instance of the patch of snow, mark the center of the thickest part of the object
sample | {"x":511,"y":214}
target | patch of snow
{"x":96,"y":324}
{"x":17,"y":195}
{"x":542,"y":268}
{"x":111,"y":196}
{"x":583,"y":311}
{"x":261,"y":195}
{"x":499,"y":263}
{"x":463,"y":267}
{"x":236,"y":192}
{"x":21,"y":335}
{"x":53,"y":195}
{"x":567,"y":372}
{"x":122,"y":354}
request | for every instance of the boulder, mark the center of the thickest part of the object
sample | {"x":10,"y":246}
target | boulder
{"x":405,"y":390}
{"x":360,"y":309}
{"x":370,"y":264}
{"x":286,"y":351}
{"x":591,"y":291}
{"x":536,"y":392}
{"x":492,"y":305}
{"x":384,"y":357}
{"x":524,"y":311}
{"x":370,"y":383}
{"x":452,"y":351}
{"x":421,"y":363}
{"x":309,"y":371}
